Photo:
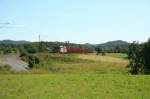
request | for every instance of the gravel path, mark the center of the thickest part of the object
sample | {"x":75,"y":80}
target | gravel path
{"x":14,"y":61}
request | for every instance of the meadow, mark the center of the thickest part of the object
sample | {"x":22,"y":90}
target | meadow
{"x":76,"y":76}
{"x":74,"y":86}
{"x":83,"y":63}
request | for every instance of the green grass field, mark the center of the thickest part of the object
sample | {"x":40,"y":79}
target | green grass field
{"x":83,"y":63}
{"x":74,"y":86}
{"x":76,"y":76}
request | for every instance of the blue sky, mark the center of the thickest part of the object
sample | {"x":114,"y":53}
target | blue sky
{"x":78,"y":21}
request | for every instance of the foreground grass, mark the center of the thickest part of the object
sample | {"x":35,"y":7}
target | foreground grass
{"x":74,"y":86}
{"x":75,"y":76}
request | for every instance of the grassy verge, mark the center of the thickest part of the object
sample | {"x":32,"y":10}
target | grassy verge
{"x":74,"y":86}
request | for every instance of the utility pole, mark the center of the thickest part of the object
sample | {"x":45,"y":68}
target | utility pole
{"x":40,"y":43}
{"x":39,"y":38}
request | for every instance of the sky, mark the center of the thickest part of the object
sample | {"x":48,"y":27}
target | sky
{"x":77,"y":21}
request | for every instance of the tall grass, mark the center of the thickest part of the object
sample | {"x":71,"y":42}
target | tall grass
{"x":80,"y":63}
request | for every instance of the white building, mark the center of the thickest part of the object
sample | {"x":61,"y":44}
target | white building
{"x":63,"y":49}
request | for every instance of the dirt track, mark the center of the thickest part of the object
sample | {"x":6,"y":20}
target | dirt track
{"x":14,"y":61}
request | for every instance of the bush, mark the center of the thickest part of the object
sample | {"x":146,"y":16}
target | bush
{"x":22,"y":54}
{"x":98,"y":50}
{"x":33,"y":60}
{"x":30,"y":59}
{"x":5,"y":67}
{"x":103,"y":53}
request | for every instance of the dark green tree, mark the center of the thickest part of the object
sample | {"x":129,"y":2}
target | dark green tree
{"x":98,"y":50}
{"x":146,"y":57}
{"x":33,"y":60}
{"x":135,"y":58}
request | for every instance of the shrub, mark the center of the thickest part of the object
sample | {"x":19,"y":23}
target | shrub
{"x":5,"y":67}
{"x":33,"y":60}
{"x":103,"y":53}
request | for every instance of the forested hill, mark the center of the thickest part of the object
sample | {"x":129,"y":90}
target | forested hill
{"x":111,"y":46}
{"x":114,"y":45}
{"x":14,"y":42}
{"x":107,"y":44}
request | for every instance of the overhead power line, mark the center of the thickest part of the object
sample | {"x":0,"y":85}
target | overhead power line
{"x":2,"y":25}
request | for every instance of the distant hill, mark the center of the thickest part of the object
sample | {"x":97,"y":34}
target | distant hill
{"x":113,"y":45}
{"x":13,"y":42}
